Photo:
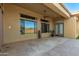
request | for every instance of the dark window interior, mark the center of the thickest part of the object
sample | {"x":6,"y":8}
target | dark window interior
{"x":45,"y":26}
{"x":44,"y":20}
{"x":27,"y":16}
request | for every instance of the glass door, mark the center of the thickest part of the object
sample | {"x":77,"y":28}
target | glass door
{"x":56,"y":29}
{"x":59,"y":29}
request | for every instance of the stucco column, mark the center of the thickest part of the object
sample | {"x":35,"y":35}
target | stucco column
{"x":1,"y":29}
{"x":51,"y":24}
{"x":38,"y":24}
{"x":38,"y":28}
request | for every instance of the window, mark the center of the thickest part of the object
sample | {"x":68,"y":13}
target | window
{"x":22,"y":25}
{"x":27,"y":26}
{"x":44,"y":27}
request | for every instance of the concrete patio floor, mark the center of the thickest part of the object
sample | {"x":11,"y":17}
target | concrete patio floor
{"x":53,"y":46}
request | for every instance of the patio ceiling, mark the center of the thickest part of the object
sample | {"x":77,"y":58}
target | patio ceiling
{"x":39,"y":8}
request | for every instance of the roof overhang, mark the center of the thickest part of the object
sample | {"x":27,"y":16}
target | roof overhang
{"x":76,"y":14}
{"x":59,"y":8}
{"x":56,"y":10}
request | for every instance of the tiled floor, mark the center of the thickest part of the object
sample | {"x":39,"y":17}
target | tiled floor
{"x":56,"y":46}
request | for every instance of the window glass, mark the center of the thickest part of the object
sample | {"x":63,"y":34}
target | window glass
{"x":44,"y":27}
{"x":22,"y":26}
{"x":28,"y":26}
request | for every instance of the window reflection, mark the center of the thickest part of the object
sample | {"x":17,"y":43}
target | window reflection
{"x":28,"y":26}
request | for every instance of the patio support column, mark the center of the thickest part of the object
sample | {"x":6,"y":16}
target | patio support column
{"x":39,"y":25}
{"x":1,"y":29}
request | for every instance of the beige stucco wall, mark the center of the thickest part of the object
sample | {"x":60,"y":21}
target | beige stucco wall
{"x":51,"y":22}
{"x":12,"y":19}
{"x":77,"y":26}
{"x":70,"y":27}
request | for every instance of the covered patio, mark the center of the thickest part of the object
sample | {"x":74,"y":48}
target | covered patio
{"x":56,"y":46}
{"x":26,"y":29}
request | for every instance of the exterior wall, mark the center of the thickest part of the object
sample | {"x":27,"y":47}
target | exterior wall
{"x":70,"y":27}
{"x":77,"y":27}
{"x":12,"y":20}
{"x":51,"y":22}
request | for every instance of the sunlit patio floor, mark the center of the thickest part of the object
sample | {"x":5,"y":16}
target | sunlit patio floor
{"x":53,"y":46}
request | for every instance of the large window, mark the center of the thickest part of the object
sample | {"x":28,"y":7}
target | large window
{"x":44,"y":27}
{"x":27,"y":26}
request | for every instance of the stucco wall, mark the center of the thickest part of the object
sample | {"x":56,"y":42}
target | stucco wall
{"x":70,"y":27}
{"x":51,"y":22}
{"x":12,"y":19}
{"x":77,"y":27}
